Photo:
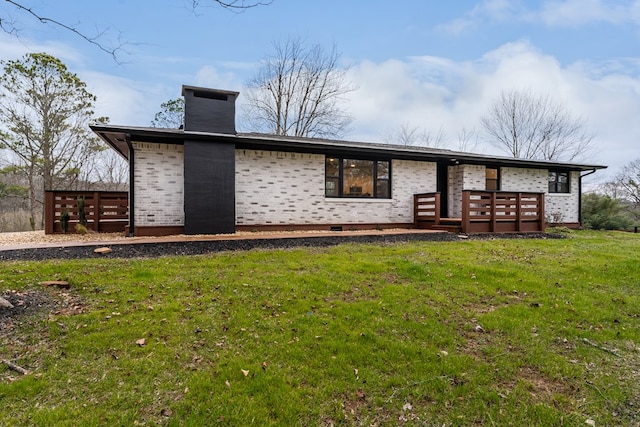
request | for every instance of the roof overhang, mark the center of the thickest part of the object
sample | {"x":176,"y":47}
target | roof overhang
{"x":119,"y":138}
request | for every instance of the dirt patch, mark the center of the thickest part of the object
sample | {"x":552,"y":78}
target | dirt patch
{"x":37,"y":302}
{"x":540,"y":385}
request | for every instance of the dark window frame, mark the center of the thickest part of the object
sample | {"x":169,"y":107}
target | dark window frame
{"x":497,"y":179}
{"x":556,"y":185}
{"x":338,"y":179}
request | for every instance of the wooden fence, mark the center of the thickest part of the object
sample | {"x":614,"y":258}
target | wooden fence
{"x":502,"y":212}
{"x":106,"y":211}
{"x":426,"y":210}
{"x":484,"y":212}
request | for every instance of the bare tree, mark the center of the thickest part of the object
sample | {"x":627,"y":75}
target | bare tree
{"x":298,"y":91}
{"x":19,"y":11}
{"x":467,"y":139}
{"x":108,"y":172}
{"x":415,"y":136}
{"x":611,"y":188}
{"x":628,"y":181}
{"x":14,"y":196}
{"x":536,"y":127}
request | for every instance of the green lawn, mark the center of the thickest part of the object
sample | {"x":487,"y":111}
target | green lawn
{"x":494,"y":332}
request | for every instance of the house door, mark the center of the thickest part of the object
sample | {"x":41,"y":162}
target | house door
{"x":443,"y":187}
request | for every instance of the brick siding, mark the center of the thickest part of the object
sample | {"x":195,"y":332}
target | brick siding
{"x":159,"y":184}
{"x":559,"y":207}
{"x":278,"y":188}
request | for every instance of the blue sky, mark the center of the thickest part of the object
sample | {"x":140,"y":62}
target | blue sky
{"x":416,"y":63}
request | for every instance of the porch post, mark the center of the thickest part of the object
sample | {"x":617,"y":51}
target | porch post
{"x":493,"y":211}
{"x":519,"y":208}
{"x":466,"y":201}
{"x":543,"y":220}
{"x":96,"y":211}
{"x":49,"y":212}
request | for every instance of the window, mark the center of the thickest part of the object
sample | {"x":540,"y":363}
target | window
{"x":492,"y":179}
{"x":347,"y":177}
{"x":558,"y":182}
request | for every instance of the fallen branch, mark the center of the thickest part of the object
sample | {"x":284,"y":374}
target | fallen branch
{"x":592,"y":344}
{"x":15,"y":367}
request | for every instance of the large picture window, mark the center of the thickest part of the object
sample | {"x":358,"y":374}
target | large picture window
{"x":558,"y":182}
{"x":348,"y":177}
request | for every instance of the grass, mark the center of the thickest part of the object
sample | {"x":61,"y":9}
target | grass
{"x":496,"y":332}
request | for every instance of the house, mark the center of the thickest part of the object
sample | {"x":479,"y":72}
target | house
{"x":206,"y":179}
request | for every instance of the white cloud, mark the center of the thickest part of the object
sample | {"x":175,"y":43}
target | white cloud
{"x":210,"y":76}
{"x":12,"y":47}
{"x":492,"y":10}
{"x":569,"y":13}
{"x":124,"y":101}
{"x":553,"y":13}
{"x":437,"y":93}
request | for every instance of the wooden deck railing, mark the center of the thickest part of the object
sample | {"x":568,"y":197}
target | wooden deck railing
{"x":106,"y":211}
{"x":502,"y":212}
{"x":426,"y":210}
{"x":484,"y":212}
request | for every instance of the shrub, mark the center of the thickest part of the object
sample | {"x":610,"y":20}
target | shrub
{"x":64,"y":221}
{"x":81,"y":229}
{"x":604,"y":213}
{"x":82,"y":215}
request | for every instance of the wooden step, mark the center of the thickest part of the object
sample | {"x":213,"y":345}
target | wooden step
{"x":448,"y":227}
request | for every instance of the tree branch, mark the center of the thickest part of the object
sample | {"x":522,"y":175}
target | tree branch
{"x":236,"y":5}
{"x":113,"y":52}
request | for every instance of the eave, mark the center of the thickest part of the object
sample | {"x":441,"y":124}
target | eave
{"x":117,"y":137}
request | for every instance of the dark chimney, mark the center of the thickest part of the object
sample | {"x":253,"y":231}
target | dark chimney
{"x":209,"y":110}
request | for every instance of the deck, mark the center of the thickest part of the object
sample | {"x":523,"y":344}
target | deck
{"x":483,"y":212}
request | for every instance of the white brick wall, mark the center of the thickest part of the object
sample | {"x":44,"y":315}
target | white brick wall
{"x":559,"y":207}
{"x":159,"y":184}
{"x":516,"y":179}
{"x":277,"y":188}
{"x":463,"y":177}
{"x":563,"y":207}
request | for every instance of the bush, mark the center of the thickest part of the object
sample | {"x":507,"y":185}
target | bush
{"x":604,"y":213}
{"x":81,"y":229}
{"x":559,"y":230}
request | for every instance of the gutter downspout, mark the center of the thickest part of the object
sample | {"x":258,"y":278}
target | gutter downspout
{"x":580,"y":194}
{"x":132,"y":199}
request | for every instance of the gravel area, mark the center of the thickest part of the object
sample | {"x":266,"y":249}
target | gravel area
{"x":198,"y":247}
{"x":38,"y":237}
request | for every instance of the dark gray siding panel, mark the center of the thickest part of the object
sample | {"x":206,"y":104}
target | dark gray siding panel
{"x":209,"y":187}
{"x":209,"y":112}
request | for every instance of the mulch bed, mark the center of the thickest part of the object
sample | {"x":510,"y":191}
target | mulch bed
{"x":151,"y":250}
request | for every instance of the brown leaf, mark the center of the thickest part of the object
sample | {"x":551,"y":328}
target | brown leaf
{"x":141,"y":342}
